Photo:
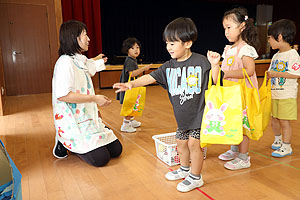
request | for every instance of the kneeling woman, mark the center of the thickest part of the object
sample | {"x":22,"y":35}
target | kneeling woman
{"x":79,"y":128}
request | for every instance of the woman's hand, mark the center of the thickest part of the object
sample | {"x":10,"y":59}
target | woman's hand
{"x":101,"y":56}
{"x":102,"y":100}
{"x":122,"y":86}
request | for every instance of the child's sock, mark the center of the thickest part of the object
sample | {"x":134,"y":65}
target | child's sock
{"x":278,"y":138}
{"x":234,"y":148}
{"x":195,"y":177}
{"x":185,"y":168}
{"x":126,"y":122}
{"x":243,"y":156}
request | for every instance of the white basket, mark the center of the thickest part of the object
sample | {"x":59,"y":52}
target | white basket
{"x":166,"y":148}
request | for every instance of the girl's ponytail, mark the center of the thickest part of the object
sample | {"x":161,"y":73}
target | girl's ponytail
{"x":250,"y":34}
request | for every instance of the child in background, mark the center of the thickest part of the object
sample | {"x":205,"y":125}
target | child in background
{"x":131,"y":46}
{"x":284,"y":72}
{"x":242,"y":34}
{"x":185,"y":77}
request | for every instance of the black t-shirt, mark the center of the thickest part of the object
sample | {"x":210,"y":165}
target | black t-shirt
{"x":186,"y":83}
{"x":130,"y":64}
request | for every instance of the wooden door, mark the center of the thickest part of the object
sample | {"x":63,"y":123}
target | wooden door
{"x":1,"y":84}
{"x":26,"y":48}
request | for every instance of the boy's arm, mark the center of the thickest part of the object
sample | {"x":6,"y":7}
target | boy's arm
{"x":292,"y":73}
{"x":281,"y":74}
{"x":140,"y":70}
{"x":142,"y":81}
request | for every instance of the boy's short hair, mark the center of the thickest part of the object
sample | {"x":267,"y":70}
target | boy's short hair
{"x":68,"y":33}
{"x":183,"y":29}
{"x":128,"y":43}
{"x":285,"y":27}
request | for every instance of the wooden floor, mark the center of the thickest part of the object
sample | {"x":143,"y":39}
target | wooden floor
{"x":28,"y":133}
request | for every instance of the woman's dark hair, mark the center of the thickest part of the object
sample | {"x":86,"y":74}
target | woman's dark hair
{"x":250,"y":33}
{"x":183,"y":29}
{"x":68,"y":33}
{"x":128,"y":43}
{"x":285,"y":27}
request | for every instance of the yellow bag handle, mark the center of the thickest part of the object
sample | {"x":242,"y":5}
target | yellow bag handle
{"x":265,"y":79}
{"x":129,"y":79}
{"x":210,"y":79}
{"x":245,"y":72}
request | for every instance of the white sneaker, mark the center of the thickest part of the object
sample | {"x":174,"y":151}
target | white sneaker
{"x":135,"y":123}
{"x":228,"y":155}
{"x":189,"y":184}
{"x":282,"y":152}
{"x":176,"y":175}
{"x":238,"y":163}
{"x":276,"y":144}
{"x":127,"y":128}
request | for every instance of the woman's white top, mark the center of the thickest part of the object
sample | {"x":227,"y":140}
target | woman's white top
{"x":77,"y":125}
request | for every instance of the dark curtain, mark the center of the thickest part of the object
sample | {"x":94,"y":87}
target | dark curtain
{"x":146,"y":21}
{"x":288,"y":11}
{"x":88,"y":12}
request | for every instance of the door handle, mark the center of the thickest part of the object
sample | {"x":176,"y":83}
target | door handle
{"x":17,"y":52}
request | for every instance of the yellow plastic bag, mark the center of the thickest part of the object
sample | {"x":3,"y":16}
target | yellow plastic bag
{"x":228,"y":83}
{"x":134,"y":101}
{"x":265,"y":101}
{"x":222,"y":118}
{"x":252,"y":111}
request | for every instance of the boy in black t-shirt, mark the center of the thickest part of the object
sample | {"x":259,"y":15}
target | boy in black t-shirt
{"x":185,"y":77}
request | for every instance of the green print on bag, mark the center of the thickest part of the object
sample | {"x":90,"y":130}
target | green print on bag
{"x":246,"y":123}
{"x":215,"y":119}
{"x":233,"y":132}
{"x":137,"y":103}
{"x":214,"y":126}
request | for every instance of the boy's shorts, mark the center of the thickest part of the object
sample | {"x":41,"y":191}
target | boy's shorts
{"x":285,"y":109}
{"x":185,"y":134}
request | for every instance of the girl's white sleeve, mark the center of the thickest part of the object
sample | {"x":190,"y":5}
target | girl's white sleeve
{"x":223,"y":54}
{"x":248,"y":50}
{"x":63,"y":80}
{"x":95,"y":66}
